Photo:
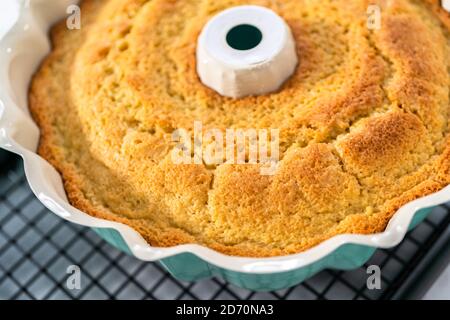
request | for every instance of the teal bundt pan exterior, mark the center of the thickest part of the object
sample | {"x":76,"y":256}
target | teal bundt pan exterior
{"x":188,"y":267}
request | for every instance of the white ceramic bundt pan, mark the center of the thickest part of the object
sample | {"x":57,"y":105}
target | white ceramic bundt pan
{"x":21,"y":51}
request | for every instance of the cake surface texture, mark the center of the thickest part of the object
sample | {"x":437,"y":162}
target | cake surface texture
{"x":363,"y":122}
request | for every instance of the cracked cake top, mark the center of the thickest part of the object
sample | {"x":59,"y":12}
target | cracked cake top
{"x":363,"y":122}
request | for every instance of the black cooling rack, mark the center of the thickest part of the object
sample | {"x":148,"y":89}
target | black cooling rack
{"x":37,"y":247}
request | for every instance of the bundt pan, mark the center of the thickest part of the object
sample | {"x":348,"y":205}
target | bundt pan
{"x":22,"y":50}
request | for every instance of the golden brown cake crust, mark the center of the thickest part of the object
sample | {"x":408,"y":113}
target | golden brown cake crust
{"x":363,"y":122}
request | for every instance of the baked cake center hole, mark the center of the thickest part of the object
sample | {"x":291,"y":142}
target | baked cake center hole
{"x":244,"y":37}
